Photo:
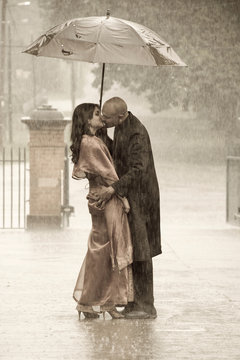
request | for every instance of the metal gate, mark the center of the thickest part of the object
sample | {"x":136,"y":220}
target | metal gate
{"x":14,"y":188}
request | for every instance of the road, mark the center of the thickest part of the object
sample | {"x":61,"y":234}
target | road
{"x":196,"y":281}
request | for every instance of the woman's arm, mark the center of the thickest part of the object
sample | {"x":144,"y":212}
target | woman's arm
{"x":137,"y":164}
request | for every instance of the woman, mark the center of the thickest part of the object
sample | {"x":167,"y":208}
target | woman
{"x":105,"y":278}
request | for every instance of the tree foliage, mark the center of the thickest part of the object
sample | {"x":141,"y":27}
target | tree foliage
{"x":204,"y":33}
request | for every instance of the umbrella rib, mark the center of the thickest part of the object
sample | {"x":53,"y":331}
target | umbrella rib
{"x":133,"y":30}
{"x":145,"y":45}
{"x":129,"y":23}
{"x":97,"y":41}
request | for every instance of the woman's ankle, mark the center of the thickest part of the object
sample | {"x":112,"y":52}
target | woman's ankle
{"x":85,"y":308}
{"x":108,"y":307}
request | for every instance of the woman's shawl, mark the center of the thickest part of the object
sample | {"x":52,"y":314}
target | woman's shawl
{"x":95,"y":159}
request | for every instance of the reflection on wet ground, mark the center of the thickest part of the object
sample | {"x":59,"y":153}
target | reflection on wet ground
{"x":196,"y":282}
{"x":123,"y":339}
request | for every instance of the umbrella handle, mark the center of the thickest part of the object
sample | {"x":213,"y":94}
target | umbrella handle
{"x":101,"y":91}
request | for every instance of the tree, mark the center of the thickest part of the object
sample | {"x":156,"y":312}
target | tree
{"x":203,"y":33}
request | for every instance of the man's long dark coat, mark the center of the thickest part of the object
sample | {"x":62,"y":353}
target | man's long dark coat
{"x":133,"y":160}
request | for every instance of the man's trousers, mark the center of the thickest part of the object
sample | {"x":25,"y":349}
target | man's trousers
{"x":143,"y":287}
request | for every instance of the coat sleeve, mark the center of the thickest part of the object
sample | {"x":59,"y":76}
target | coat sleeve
{"x":109,"y":143}
{"x":137,"y":164}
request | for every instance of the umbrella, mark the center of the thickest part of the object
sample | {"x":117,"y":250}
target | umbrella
{"x":105,"y":39}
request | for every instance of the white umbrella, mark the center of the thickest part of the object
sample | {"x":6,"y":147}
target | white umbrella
{"x":105,"y":39}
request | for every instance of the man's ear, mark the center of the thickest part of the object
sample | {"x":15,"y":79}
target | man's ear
{"x":122,"y":117}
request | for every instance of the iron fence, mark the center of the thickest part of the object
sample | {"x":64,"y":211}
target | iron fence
{"x":14,"y":185}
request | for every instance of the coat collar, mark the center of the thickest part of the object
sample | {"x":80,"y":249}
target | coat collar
{"x":125,"y":123}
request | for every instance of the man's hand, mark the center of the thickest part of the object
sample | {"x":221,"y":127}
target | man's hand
{"x":104,"y":194}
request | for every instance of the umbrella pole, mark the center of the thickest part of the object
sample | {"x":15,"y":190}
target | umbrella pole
{"x":101,"y":91}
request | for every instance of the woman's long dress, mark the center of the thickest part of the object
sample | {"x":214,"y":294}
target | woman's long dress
{"x":105,"y":277}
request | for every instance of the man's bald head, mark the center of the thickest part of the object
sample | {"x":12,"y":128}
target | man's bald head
{"x":117,"y":104}
{"x":114,"y":111}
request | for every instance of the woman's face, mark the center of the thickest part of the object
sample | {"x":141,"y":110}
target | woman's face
{"x":96,"y":122}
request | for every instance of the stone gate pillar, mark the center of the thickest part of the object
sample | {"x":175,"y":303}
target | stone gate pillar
{"x":46,"y":157}
{"x":233,"y":178}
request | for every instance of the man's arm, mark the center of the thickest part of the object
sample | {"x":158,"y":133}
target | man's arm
{"x":137,"y":163}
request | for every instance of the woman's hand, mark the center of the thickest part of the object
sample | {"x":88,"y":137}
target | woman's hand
{"x":126,"y":206}
{"x":126,"y":209}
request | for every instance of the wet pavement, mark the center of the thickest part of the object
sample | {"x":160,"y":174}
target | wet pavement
{"x":196,"y":281}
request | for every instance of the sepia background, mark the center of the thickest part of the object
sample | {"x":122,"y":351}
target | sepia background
{"x":192,"y":115}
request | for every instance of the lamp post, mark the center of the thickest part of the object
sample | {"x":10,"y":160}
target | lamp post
{"x":4,"y":24}
{"x":9,"y":84}
{"x":73,"y":85}
{"x":2,"y":67}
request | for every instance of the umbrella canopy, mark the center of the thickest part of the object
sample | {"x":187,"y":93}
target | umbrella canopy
{"x":105,"y":40}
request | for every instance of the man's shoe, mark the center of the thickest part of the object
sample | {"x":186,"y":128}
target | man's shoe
{"x":137,"y":315}
{"x":128,"y":308}
{"x":152,"y":316}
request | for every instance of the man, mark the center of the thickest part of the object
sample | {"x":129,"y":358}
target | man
{"x":133,"y":160}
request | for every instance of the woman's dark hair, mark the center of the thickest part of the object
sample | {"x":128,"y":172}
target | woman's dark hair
{"x":81,"y":114}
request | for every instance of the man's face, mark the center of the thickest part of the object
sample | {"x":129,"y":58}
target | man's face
{"x":109,"y":116}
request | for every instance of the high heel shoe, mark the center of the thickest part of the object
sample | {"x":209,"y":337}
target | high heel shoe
{"x":113,"y":313}
{"x":87,"y":311}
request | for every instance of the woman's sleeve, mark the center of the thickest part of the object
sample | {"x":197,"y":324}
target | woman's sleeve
{"x":77,"y":173}
{"x":94,"y":160}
